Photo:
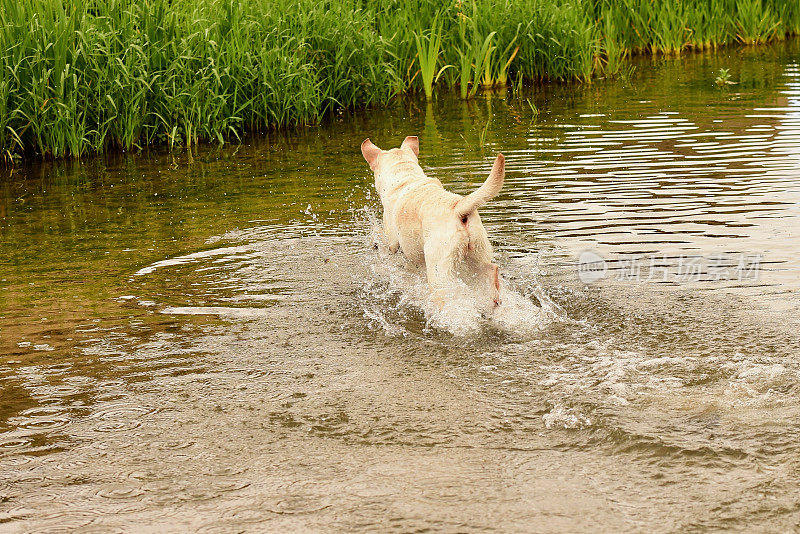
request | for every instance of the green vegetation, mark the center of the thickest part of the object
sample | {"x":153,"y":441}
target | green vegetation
{"x":724,"y":78}
{"x":429,"y":45}
{"x":83,"y":76}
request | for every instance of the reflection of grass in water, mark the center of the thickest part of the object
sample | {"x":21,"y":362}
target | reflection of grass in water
{"x":81,"y":77}
{"x":482,"y":137}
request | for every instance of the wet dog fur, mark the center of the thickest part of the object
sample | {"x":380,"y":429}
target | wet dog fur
{"x":434,"y":228}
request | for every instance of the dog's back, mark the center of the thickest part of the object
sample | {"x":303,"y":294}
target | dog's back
{"x":434,"y":227}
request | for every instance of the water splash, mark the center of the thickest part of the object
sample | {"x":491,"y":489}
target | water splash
{"x":397,"y":291}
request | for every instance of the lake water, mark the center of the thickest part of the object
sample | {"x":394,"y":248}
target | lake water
{"x":208,"y":341}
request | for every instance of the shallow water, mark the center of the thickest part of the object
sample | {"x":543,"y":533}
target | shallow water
{"x":209,"y":341}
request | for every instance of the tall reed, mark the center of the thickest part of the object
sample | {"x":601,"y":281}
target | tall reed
{"x":83,"y":76}
{"x":429,"y":45}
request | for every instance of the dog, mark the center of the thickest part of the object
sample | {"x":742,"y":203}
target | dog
{"x":434,"y":228}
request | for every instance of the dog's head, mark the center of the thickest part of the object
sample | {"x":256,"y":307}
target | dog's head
{"x":376,"y":157}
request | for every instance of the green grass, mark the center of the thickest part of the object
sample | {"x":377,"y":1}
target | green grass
{"x":429,"y":46}
{"x":83,"y":76}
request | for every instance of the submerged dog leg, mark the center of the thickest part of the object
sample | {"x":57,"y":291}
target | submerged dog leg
{"x":392,"y":241}
{"x":494,"y":277}
{"x":439,"y":270}
{"x":390,"y":233}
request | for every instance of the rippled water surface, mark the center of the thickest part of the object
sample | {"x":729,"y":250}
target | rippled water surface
{"x":210,"y":342}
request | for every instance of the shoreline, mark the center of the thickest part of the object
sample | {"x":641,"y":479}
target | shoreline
{"x":81,"y":81}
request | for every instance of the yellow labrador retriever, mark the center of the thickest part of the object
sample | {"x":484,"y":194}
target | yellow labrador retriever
{"x":433,"y":227}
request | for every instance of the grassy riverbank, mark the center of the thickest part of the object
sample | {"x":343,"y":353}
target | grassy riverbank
{"x":84,"y":76}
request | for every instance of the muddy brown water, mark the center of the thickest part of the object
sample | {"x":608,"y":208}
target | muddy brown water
{"x":209,"y":342}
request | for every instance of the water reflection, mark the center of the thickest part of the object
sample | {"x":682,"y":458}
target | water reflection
{"x":209,"y":341}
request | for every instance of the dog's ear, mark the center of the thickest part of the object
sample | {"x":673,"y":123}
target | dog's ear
{"x":370,"y":152}
{"x":412,"y":142}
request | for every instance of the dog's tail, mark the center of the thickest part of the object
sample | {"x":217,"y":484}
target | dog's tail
{"x":489,"y":189}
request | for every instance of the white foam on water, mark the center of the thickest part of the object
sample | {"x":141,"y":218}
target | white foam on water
{"x":758,"y":384}
{"x":221,"y":311}
{"x":395,"y":284}
{"x":568,"y":418}
{"x":190,"y":258}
